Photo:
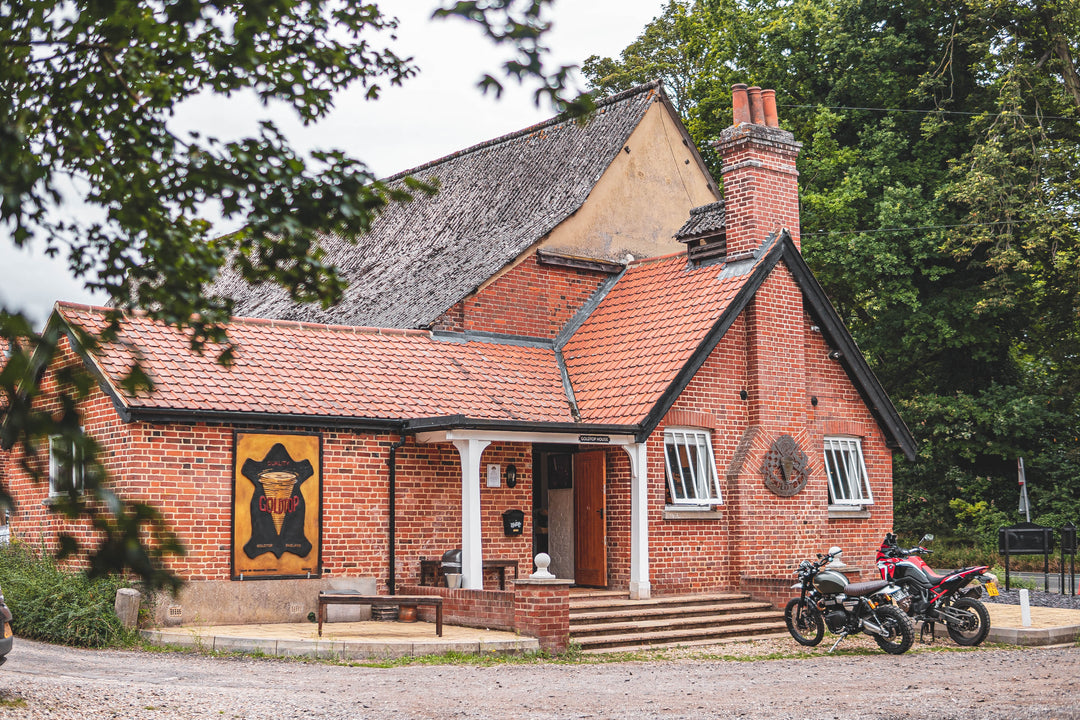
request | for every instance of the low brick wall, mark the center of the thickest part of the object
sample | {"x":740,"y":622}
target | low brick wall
{"x":542,"y":610}
{"x":492,"y":609}
{"x":537,"y":608}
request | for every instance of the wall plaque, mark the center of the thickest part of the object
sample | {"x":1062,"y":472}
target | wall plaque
{"x":277,"y":505}
{"x":786,"y":467}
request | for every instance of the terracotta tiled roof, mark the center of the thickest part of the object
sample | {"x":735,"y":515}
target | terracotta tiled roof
{"x":495,"y":200}
{"x":325,"y":371}
{"x":645,"y":331}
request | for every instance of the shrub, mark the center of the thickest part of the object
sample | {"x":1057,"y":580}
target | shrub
{"x":55,"y":606}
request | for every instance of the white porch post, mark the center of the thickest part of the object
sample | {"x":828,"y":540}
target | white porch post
{"x":471,"y":552}
{"x":640,"y":588}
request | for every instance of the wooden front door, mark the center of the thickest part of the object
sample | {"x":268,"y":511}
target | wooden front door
{"x":590,"y":522}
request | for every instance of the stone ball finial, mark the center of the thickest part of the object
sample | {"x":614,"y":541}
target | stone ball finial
{"x":543,"y":560}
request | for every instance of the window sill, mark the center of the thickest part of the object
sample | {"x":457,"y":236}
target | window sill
{"x":52,"y":500}
{"x":680,"y":512}
{"x":848,"y":512}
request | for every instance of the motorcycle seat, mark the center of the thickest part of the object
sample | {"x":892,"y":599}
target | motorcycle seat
{"x":864,"y":588}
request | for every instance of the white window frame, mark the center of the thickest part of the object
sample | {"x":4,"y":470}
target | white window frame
{"x":846,"y":472}
{"x":56,"y":467}
{"x":697,"y":482}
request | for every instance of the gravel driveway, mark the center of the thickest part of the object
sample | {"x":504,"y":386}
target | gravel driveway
{"x":45,"y":681}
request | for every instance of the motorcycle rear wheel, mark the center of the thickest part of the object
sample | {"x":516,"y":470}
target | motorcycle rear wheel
{"x":977,"y":626}
{"x":804,"y":622}
{"x":900,"y":628}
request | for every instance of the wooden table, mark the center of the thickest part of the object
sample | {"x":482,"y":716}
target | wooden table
{"x":352,"y":597}
{"x":431,"y":571}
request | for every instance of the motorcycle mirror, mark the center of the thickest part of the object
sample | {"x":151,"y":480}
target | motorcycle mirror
{"x":926,"y":538}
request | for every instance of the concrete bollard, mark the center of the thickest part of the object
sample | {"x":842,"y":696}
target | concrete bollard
{"x":127,"y":605}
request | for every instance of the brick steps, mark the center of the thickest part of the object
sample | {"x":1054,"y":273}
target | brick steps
{"x":604,"y":621}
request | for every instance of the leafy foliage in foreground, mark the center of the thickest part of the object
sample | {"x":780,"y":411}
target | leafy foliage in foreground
{"x":61,"y":607}
{"x":88,"y":92}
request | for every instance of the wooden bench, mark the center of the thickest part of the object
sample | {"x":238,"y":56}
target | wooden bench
{"x":431,"y":571}
{"x":353,"y":597}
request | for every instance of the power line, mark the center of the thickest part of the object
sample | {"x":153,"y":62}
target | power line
{"x":923,"y":112}
{"x":913,"y":228}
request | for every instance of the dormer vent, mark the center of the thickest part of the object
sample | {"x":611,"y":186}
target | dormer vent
{"x":704,"y":233}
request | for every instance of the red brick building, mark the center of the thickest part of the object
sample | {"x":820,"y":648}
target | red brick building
{"x":577,"y":328}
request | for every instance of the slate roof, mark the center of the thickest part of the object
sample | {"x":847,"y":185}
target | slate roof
{"x":495,"y":200}
{"x":319,"y":371}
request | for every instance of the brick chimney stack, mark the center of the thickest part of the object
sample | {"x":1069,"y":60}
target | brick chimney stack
{"x":761,"y":190}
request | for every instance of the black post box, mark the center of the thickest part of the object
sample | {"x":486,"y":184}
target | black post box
{"x":513,"y":522}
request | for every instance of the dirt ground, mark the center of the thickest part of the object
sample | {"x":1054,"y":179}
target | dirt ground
{"x":45,"y":681}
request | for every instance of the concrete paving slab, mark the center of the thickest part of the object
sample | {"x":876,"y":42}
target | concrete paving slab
{"x":351,"y":640}
{"x":1049,"y":626}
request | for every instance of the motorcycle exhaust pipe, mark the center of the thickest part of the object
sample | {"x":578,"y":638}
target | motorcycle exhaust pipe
{"x":872,"y":627}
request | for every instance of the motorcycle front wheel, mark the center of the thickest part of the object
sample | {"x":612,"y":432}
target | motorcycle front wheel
{"x":804,"y":622}
{"x":976,"y":623}
{"x":899,"y":628}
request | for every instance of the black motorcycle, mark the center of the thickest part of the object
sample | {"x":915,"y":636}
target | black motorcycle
{"x":930,"y":597}
{"x":826,"y":598}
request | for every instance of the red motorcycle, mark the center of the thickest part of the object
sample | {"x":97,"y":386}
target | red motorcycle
{"x":929,"y":597}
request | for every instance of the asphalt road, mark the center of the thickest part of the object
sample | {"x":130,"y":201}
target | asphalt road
{"x":44,"y":681}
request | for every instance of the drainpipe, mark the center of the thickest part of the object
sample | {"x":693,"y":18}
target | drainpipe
{"x":392,"y":462}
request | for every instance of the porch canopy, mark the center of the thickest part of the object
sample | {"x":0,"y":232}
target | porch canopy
{"x":471,"y":437}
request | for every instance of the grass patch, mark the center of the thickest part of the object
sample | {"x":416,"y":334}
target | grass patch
{"x":68,"y":608}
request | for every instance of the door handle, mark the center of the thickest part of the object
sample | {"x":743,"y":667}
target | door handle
{"x":601,"y":511}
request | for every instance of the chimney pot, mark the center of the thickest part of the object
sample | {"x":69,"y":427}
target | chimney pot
{"x":768,"y":101}
{"x":757,"y":115}
{"x":740,"y":108}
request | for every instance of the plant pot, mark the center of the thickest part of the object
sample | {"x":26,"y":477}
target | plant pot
{"x":407,"y":614}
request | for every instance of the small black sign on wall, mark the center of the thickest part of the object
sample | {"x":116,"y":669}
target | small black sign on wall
{"x":513,"y":522}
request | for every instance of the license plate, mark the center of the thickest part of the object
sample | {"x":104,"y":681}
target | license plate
{"x":991,"y":589}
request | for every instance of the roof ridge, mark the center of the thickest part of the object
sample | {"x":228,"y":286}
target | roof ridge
{"x":269,"y":322}
{"x":651,"y":86}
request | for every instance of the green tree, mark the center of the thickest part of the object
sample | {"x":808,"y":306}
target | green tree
{"x":939,"y":200}
{"x":87,"y":90}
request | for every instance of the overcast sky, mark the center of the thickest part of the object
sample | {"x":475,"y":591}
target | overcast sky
{"x":432,"y":115}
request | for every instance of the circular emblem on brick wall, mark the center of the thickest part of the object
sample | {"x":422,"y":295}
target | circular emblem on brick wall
{"x":785,"y":467}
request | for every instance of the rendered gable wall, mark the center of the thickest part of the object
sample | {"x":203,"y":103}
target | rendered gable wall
{"x":643,"y":197}
{"x":637,"y":204}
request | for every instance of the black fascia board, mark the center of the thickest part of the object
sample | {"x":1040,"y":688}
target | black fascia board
{"x":463,"y":422}
{"x":236,"y":417}
{"x":58,"y":323}
{"x":715,"y":334}
{"x":851,"y":358}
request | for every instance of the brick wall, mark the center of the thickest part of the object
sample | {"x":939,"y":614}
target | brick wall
{"x":185,"y":470}
{"x":490,"y":609}
{"x":531,"y":299}
{"x":542,"y":610}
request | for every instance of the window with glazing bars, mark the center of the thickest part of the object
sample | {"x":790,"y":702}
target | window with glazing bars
{"x":844,"y":464}
{"x":65,"y":466}
{"x":691,"y":469}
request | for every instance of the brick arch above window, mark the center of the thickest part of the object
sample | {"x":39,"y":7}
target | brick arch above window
{"x":691,"y":418}
{"x":844,"y":427}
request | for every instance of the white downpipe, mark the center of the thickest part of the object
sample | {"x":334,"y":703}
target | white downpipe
{"x":472,"y":558}
{"x":640,"y":589}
